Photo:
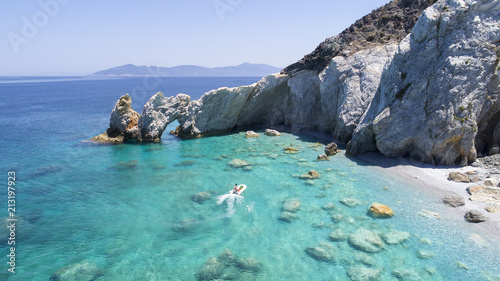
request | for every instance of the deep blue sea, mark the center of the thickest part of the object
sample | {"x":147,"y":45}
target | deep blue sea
{"x":126,"y":212}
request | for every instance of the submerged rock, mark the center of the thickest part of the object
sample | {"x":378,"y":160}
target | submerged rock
{"x":362,"y":273}
{"x":312,"y":174}
{"x":396,"y":237}
{"x":328,"y":206}
{"x":238,"y":163}
{"x":322,"y":252}
{"x":366,"y":240}
{"x":249,"y":264}
{"x":350,"y":202}
{"x":201,"y":197}
{"x":291,"y":205}
{"x":213,"y":269}
{"x":378,"y":210}
{"x":337,"y":235}
{"x":288,"y":217}
{"x":406,"y":274}
{"x":84,"y":271}
{"x":425,"y":255}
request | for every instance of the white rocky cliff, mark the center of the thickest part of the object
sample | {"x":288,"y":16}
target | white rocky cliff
{"x":438,"y":98}
{"x":431,"y":95}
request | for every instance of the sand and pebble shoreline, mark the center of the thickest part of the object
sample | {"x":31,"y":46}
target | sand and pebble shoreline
{"x":433,"y":180}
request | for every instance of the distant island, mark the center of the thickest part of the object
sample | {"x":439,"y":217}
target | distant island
{"x":244,"y":69}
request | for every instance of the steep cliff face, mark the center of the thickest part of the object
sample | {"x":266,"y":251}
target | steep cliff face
{"x":438,"y":98}
{"x":386,"y":25}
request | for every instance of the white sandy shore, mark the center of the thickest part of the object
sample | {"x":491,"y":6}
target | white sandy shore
{"x":433,"y":180}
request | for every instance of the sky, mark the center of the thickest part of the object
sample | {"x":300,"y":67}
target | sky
{"x":80,"y":37}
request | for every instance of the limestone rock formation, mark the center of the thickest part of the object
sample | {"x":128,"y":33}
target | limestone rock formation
{"x":437,"y":99}
{"x":158,"y":112}
{"x":122,"y":123}
{"x":126,"y":124}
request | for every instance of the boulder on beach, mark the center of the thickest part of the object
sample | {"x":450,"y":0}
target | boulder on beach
{"x":453,"y":201}
{"x":272,"y":133}
{"x":366,"y":240}
{"x":378,"y":210}
{"x":201,"y":197}
{"x":490,"y":182}
{"x":488,"y":195}
{"x":331,"y":149}
{"x":458,"y":177}
{"x":492,"y":208}
{"x":312,"y":174}
{"x":473,"y":189}
{"x":475,"y":216}
{"x":322,"y":252}
{"x":251,"y":134}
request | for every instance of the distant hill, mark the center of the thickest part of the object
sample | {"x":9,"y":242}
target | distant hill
{"x":245,"y":69}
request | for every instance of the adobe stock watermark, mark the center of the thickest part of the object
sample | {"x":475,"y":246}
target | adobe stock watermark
{"x":224,"y":6}
{"x":31,"y":26}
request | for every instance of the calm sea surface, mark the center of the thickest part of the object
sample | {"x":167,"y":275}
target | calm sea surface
{"x":126,"y":212}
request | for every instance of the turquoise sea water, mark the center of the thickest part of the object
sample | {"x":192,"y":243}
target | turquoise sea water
{"x":125,"y":212}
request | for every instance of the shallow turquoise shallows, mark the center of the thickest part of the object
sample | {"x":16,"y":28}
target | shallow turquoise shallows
{"x":128,"y":212}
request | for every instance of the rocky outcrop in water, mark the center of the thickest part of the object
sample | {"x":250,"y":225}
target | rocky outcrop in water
{"x":128,"y":125}
{"x":122,"y":123}
{"x":437,"y":99}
